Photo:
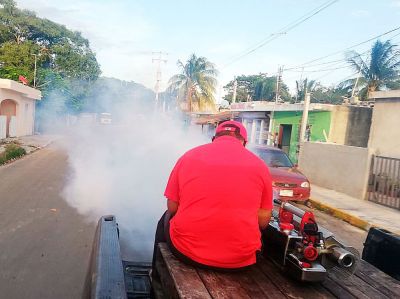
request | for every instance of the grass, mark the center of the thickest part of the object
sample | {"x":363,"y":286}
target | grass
{"x":12,"y":151}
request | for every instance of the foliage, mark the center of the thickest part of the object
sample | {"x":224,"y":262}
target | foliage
{"x":304,"y":86}
{"x":17,"y":60}
{"x":66,"y":66}
{"x":320,"y":93}
{"x":379,"y":71}
{"x":329,"y":95}
{"x":196,"y":83}
{"x":256,"y":88}
{"x":12,"y":151}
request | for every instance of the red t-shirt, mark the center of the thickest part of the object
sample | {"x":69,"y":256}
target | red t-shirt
{"x":220,"y":187}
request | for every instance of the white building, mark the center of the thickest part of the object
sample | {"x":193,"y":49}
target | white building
{"x":17,"y":108}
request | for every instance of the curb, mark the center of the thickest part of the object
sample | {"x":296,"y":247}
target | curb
{"x":353,"y":220}
{"x":37,"y":148}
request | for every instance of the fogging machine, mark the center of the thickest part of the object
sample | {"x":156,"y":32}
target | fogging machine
{"x":294,"y":241}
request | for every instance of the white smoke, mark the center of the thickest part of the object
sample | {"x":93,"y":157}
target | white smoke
{"x":122,"y":169}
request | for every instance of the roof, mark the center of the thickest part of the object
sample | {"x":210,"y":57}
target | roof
{"x":27,"y":91}
{"x":214,"y":118}
{"x":264,"y":106}
{"x":392,"y":95}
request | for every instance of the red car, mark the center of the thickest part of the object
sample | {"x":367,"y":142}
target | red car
{"x":287,"y":181}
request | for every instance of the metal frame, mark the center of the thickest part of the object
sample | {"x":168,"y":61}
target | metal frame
{"x":384,"y":181}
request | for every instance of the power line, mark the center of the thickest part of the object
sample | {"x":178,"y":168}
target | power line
{"x":325,"y":63}
{"x":283,"y":30}
{"x":320,"y":70}
{"x":351,"y":47}
{"x":338,"y":61}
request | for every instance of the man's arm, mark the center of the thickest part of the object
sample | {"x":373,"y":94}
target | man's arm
{"x":265,"y":211}
{"x":172,"y":190}
{"x":172,"y":206}
{"x":264,"y":216}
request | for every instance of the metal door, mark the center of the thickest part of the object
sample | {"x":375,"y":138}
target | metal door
{"x":12,"y":129}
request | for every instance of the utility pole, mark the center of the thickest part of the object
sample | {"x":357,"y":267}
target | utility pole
{"x":234,"y":90}
{"x":159,"y":59}
{"x":353,"y":92}
{"x":34,"y":71}
{"x":271,"y":118}
{"x":278,"y":84}
{"x":304,"y":119}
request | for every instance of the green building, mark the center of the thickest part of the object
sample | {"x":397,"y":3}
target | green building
{"x":286,"y":127}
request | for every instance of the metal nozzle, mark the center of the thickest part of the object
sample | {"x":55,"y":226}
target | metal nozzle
{"x":344,"y":258}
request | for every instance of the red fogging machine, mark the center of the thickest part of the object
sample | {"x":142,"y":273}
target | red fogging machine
{"x":294,"y":242}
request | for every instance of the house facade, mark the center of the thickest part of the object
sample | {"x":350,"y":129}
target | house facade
{"x":285,"y":121}
{"x":384,"y":136}
{"x":17,"y":109}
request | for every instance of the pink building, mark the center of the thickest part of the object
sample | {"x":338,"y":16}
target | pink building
{"x":17,"y":108}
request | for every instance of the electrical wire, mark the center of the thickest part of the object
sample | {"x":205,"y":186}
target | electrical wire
{"x":349,"y":48}
{"x":283,"y":31}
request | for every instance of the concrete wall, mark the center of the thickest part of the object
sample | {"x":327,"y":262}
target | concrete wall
{"x":385,"y":128}
{"x":350,"y":125}
{"x":339,"y":167}
{"x":358,"y":126}
{"x":25,"y":111}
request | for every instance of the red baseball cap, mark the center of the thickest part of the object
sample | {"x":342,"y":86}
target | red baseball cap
{"x":233,"y":126}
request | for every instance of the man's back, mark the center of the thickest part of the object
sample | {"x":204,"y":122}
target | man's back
{"x":219,"y":187}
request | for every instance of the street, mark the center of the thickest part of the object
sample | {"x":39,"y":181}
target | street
{"x":350,"y":235}
{"x":45,"y":244}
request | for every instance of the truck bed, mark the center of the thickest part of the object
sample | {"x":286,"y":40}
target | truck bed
{"x":110,"y":277}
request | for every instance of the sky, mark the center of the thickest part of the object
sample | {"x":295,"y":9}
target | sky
{"x":125,"y":34}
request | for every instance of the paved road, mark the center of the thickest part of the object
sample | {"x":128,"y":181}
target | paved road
{"x":348,"y":234}
{"x":44,"y":243}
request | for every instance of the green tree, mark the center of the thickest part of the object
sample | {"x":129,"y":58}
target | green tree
{"x":303,"y":86}
{"x":329,"y":95}
{"x":17,"y":60}
{"x":256,"y":88}
{"x":196,"y":83}
{"x":379,"y":71}
{"x":66,"y":65}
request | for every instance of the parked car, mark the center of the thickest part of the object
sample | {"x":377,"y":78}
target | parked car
{"x":287,"y":181}
{"x":105,"y":118}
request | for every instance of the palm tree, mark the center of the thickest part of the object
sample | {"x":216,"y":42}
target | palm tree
{"x":196,"y":82}
{"x":379,"y":71}
{"x":304,"y":86}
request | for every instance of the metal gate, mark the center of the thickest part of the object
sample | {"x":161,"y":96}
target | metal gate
{"x":384,"y":181}
{"x":3,"y":126}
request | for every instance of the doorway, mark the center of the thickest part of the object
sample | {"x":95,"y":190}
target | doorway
{"x":8,"y":108}
{"x":285,"y":134}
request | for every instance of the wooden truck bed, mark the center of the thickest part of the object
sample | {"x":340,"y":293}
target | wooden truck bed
{"x":265,"y":280}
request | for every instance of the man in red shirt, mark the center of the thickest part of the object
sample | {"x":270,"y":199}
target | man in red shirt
{"x":220,"y":195}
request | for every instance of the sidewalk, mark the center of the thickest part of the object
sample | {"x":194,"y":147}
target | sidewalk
{"x":360,"y":213}
{"x":30,"y":143}
{"x":37,"y":141}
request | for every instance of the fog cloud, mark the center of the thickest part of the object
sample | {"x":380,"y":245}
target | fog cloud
{"x":122,"y":169}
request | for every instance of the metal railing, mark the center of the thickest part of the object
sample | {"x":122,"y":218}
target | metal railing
{"x":384,"y":181}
